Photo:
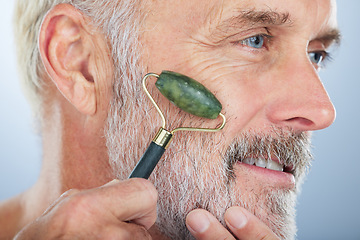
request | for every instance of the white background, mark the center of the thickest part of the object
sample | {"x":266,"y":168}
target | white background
{"x":329,"y":204}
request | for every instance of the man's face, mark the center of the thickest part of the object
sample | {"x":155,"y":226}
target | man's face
{"x":260,"y":58}
{"x":254,"y":55}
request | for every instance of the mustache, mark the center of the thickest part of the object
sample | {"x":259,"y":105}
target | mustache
{"x":293,"y":150}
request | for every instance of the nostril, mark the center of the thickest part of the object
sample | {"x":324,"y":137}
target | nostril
{"x":301,"y":121}
{"x":302,"y":109}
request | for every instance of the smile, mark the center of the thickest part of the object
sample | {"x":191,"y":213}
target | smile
{"x":259,"y":162}
{"x":268,"y":164}
{"x":268,"y":171}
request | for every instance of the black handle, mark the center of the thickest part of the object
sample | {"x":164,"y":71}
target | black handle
{"x":148,"y":161}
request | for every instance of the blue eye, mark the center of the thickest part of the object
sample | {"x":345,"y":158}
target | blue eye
{"x":317,"y":57}
{"x":254,"y":42}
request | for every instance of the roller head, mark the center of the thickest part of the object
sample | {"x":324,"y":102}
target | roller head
{"x":188,"y":95}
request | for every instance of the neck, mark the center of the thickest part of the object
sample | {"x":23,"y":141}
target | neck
{"x":74,"y":157}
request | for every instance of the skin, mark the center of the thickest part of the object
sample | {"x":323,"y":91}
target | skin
{"x":275,"y":86}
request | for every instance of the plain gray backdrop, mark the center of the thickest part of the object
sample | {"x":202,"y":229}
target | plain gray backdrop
{"x":328,"y":207}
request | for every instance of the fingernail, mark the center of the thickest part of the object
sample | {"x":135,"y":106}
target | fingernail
{"x":235,"y":217}
{"x":199,"y":222}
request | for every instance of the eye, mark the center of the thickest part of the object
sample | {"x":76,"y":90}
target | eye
{"x":317,"y":58}
{"x":254,"y":42}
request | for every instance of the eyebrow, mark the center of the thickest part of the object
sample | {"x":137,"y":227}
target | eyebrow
{"x":251,"y":18}
{"x":332,"y":36}
{"x":255,"y":17}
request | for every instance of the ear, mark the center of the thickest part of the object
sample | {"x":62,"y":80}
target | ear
{"x":66,"y":48}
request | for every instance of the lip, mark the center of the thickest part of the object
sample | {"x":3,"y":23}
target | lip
{"x":266,"y":176}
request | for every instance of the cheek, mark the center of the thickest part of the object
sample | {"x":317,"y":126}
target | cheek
{"x":236,"y":83}
{"x":240,"y":89}
{"x":243,"y":101}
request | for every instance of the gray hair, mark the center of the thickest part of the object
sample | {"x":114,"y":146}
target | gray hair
{"x":118,"y":20}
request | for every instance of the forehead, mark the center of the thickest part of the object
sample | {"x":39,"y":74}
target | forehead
{"x":298,"y":8}
{"x":311,"y":14}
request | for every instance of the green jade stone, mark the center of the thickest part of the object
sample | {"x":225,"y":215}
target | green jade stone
{"x":188,"y":95}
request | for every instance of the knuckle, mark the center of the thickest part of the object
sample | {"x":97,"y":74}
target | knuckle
{"x":77,"y":201}
{"x":143,"y":186}
{"x":262,"y":236}
{"x":229,"y":238}
{"x":74,"y":208}
{"x":143,"y":233}
{"x":126,"y":234}
{"x":69,"y":193}
{"x":113,"y":233}
{"x":140,"y":233}
{"x":221,"y":236}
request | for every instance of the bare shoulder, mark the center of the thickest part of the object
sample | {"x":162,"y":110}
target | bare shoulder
{"x":11,"y":215}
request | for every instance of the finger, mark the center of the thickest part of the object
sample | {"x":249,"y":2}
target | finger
{"x":129,"y":200}
{"x":203,"y":225}
{"x":135,"y":200}
{"x":124,"y":231}
{"x":61,"y":198}
{"x":245,"y":225}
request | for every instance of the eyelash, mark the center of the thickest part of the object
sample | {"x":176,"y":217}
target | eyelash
{"x":326,"y":58}
{"x":266,"y":38}
{"x":265,"y":41}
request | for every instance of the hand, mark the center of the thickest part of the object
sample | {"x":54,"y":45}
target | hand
{"x":117,"y":210}
{"x":243,"y":225}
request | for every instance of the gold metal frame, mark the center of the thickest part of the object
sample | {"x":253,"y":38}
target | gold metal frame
{"x":163,"y":118}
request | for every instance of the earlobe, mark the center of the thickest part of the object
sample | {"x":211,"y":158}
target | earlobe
{"x":65,"y":49}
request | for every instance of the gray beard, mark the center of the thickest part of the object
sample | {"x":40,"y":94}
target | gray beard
{"x":203,"y":177}
{"x":197,"y":169}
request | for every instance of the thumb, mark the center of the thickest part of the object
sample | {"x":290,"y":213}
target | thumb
{"x":245,"y":225}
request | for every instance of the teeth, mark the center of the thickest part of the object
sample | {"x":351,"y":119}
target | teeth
{"x":250,"y":161}
{"x":259,"y":162}
{"x":274,"y":166}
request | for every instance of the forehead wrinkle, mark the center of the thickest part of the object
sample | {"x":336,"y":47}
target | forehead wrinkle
{"x":329,"y":33}
{"x":246,"y":19}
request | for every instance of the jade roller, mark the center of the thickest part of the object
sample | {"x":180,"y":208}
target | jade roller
{"x":188,"y":95}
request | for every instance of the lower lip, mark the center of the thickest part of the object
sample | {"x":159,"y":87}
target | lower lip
{"x":268,"y":176}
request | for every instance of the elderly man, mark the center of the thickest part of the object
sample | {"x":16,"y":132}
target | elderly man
{"x":82,"y":63}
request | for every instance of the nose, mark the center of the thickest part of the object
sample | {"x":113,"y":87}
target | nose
{"x":299,"y":100}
